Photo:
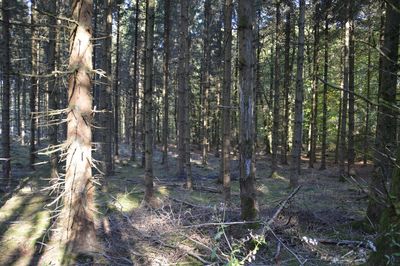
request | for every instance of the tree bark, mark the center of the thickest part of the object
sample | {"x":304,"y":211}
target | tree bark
{"x":34,"y":87}
{"x":226,"y":101}
{"x":165,"y":132}
{"x":351,"y":151}
{"x":116,"y":88}
{"x":75,"y":226}
{"x":298,"y":111}
{"x":314,"y":108}
{"x":248,"y":202}
{"x":5,"y":112}
{"x":148,"y":102}
{"x":385,"y":140}
{"x":135,"y":81}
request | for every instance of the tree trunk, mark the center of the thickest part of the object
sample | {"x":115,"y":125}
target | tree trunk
{"x":165,"y":131}
{"x":276,"y":118}
{"x":34,"y":86}
{"x":367,"y":122}
{"x":342,"y":145}
{"x":298,"y":111}
{"x":248,"y":202}
{"x":76,"y":232}
{"x":314,"y":108}
{"x":135,"y":81}
{"x":286,"y":85}
{"x":148,"y":102}
{"x":5,"y":112}
{"x":53,"y":91}
{"x":116,"y":88}
{"x":205,"y":83}
{"x":226,"y":101}
{"x":351,"y":152}
{"x":324,"y":97}
{"x":385,"y":140}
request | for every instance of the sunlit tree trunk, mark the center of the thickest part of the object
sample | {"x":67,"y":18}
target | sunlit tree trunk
{"x":75,"y":232}
{"x":298,"y":108}
{"x":226,"y":101}
{"x":5,"y":112}
{"x":165,"y":130}
{"x":148,"y":102}
{"x":247,"y":180}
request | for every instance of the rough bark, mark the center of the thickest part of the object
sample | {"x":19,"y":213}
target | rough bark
{"x":165,"y":131}
{"x":226,"y":101}
{"x":5,"y":111}
{"x":298,"y":111}
{"x":148,"y":103}
{"x":249,"y":206}
{"x":75,"y":226}
{"x":385,"y":140}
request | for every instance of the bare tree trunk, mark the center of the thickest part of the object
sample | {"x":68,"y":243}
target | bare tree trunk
{"x":135,"y":82}
{"x":76,"y":232}
{"x":116,"y":89}
{"x":248,"y":202}
{"x":5,"y":112}
{"x":205,"y":83}
{"x":53,"y":91}
{"x":167,"y":30}
{"x":351,"y":151}
{"x":342,"y":146}
{"x":324,"y":97}
{"x":148,"y":102}
{"x":34,"y":86}
{"x":276,"y":118}
{"x":183,"y":97}
{"x":314,"y":110}
{"x":385,"y":140}
{"x":226,"y":101}
{"x":298,"y":111}
{"x":286,"y":85}
{"x":367,"y":122}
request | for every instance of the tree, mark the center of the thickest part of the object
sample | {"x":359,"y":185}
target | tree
{"x":148,"y":101}
{"x":226,"y":101}
{"x":345,"y":92}
{"x":298,"y":111}
{"x":52,"y":91}
{"x":34,"y":86}
{"x":135,"y":80}
{"x":167,"y":30}
{"x":76,"y":233}
{"x":276,"y":115}
{"x":385,"y":138}
{"x":5,"y":111}
{"x":351,"y":151}
{"x":286,"y":84}
{"x":248,"y":202}
{"x":205,"y":83}
{"x":325,"y":92}
{"x":116,"y":86}
{"x":314,"y":107}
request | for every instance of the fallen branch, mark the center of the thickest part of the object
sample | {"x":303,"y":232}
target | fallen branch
{"x":282,"y":205}
{"x":353,"y":243}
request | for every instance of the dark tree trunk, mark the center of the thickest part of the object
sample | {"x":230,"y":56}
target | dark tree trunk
{"x":34,"y":87}
{"x":116,"y":88}
{"x":135,"y":82}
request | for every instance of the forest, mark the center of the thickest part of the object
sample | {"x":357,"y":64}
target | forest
{"x":200,"y":132}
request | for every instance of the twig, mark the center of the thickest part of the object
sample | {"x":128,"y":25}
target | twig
{"x":352,"y":243}
{"x":282,"y":205}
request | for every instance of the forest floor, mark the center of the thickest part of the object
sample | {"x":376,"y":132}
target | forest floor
{"x":320,"y":224}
